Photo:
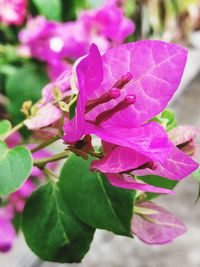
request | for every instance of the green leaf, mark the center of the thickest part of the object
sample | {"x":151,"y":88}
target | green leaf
{"x":15,"y":167}
{"x":159,"y":182}
{"x":25,"y":84}
{"x":50,"y":228}
{"x":94,"y":200}
{"x":167,"y":119}
{"x":5,"y":127}
{"x":50,"y":9}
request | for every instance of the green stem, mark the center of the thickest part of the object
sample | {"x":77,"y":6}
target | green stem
{"x":52,"y":176}
{"x":45,"y":144}
{"x":60,"y":130}
{"x":40,"y":163}
{"x":14,"y":129}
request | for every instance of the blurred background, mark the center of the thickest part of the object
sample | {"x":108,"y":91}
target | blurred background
{"x":170,"y":20}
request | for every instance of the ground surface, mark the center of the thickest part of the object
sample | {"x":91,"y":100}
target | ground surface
{"x":112,"y":251}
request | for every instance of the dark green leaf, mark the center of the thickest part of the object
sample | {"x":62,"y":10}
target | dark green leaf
{"x":15,"y":167}
{"x":50,"y":9}
{"x":25,"y":84}
{"x":5,"y":127}
{"x":159,"y":182}
{"x":94,"y":200}
{"x":51,"y":230}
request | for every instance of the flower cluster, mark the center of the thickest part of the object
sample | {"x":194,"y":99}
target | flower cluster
{"x":59,"y":43}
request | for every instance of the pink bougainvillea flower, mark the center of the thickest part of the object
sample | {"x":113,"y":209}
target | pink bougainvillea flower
{"x":54,"y":42}
{"x":7,"y":231}
{"x":108,"y":22}
{"x":13,"y":12}
{"x":124,"y":88}
{"x":159,"y":227}
{"x":37,"y":37}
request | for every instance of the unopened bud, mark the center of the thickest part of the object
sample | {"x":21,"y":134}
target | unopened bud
{"x":63,"y":106}
{"x":57,"y":94}
{"x":130,"y":99}
{"x":114,"y":93}
{"x":26,"y":106}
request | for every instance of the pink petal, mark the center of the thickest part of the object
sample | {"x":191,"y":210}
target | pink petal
{"x":161,"y":228}
{"x":127,"y":182}
{"x":149,"y":139}
{"x":119,"y":159}
{"x":89,"y":73}
{"x":45,"y":116}
{"x":156,"y":68}
{"x":176,"y":167}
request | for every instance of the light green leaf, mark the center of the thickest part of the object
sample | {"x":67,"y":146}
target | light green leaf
{"x":5,"y":127}
{"x":166,"y":119}
{"x":51,"y":230}
{"x":94,"y":200}
{"x":50,"y":9}
{"x":15,"y":167}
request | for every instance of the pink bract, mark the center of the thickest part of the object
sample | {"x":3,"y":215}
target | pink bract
{"x":44,"y":117}
{"x":159,"y":228}
{"x":127,"y":182}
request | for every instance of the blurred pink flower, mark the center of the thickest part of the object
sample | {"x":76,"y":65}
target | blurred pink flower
{"x":55,"y":42}
{"x":13,"y":11}
{"x":7,"y":231}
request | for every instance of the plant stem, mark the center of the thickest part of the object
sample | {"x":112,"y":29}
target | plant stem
{"x":40,"y":163}
{"x":45,"y":144}
{"x":50,"y":174}
{"x":14,"y":129}
{"x":60,"y":130}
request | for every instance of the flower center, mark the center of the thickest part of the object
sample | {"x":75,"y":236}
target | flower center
{"x":104,"y":116}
